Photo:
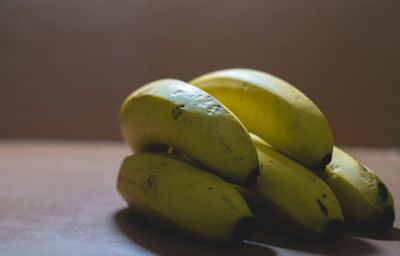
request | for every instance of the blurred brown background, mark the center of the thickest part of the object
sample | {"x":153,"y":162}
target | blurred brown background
{"x":66,"y":66}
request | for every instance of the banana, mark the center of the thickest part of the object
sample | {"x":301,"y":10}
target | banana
{"x":183,"y":197}
{"x":366,"y":201}
{"x":274,"y":110}
{"x":290,"y":197}
{"x":172,"y":112}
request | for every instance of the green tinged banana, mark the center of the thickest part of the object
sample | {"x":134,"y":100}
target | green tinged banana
{"x":174,"y":113}
{"x":366,"y":201}
{"x":183,"y":197}
{"x":292,"y":198}
{"x":274,"y":110}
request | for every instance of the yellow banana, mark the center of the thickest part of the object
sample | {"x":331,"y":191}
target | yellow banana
{"x":274,"y":110}
{"x":365,"y":200}
{"x":174,"y":113}
{"x":289,"y":196}
{"x":183,"y":197}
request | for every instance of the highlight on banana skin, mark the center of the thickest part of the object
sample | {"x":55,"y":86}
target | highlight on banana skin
{"x":234,"y":150}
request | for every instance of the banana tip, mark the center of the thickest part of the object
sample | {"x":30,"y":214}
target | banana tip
{"x":384,"y":222}
{"x":251,"y":179}
{"x":387,"y":219}
{"x":243,"y":227}
{"x":334,"y":229}
{"x":325,"y":160}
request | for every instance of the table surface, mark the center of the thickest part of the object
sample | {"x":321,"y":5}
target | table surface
{"x":60,"y":198}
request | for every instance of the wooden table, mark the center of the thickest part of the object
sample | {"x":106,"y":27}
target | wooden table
{"x":60,"y":198}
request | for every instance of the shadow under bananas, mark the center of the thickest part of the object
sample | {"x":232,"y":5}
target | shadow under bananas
{"x":345,"y":245}
{"x":392,"y":234}
{"x":161,"y":241}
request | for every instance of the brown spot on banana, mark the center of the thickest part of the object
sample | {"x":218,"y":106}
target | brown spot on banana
{"x":151,"y":183}
{"x":177,"y":111}
{"x":382,"y":191}
{"x":323,"y":208}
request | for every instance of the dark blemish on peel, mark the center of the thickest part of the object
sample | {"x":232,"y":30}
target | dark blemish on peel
{"x":211,"y":99}
{"x":324,"y":210}
{"x":324,"y":195}
{"x":156,"y":167}
{"x":210,"y":188}
{"x":214,"y":106}
{"x":177,"y":111}
{"x":382,"y":191}
{"x":150,"y":182}
{"x":227,"y":200}
{"x":223,"y":143}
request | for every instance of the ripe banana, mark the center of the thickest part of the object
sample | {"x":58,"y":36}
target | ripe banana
{"x":290,"y":197}
{"x":183,"y":197}
{"x":274,"y":110}
{"x":174,"y":113}
{"x":366,"y":201}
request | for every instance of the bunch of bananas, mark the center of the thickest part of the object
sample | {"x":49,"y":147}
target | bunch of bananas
{"x":237,"y":147}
